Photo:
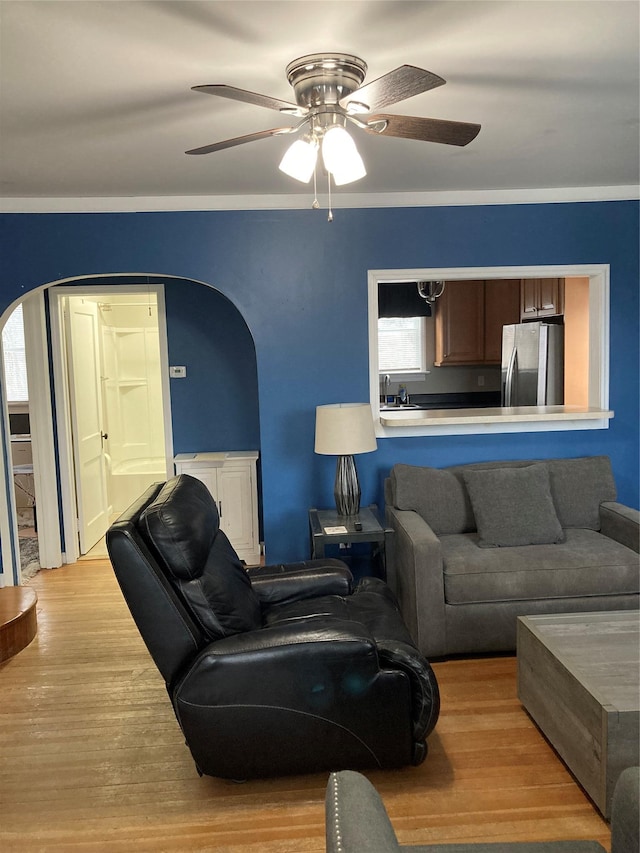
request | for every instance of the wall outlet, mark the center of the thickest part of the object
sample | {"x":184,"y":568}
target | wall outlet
{"x":179,"y":372}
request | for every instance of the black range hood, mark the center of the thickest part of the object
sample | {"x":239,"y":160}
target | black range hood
{"x":401,"y":300}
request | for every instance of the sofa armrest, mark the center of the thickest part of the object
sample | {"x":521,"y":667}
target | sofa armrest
{"x":287,"y":582}
{"x":625,"y":812}
{"x":621,"y":523}
{"x":417,"y":576}
{"x":355,"y":816}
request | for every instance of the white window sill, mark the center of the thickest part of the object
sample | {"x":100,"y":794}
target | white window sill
{"x":487,"y":421}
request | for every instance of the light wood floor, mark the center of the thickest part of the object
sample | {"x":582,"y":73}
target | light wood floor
{"x":92,"y":758}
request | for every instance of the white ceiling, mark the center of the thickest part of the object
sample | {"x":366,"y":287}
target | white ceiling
{"x":96,"y":98}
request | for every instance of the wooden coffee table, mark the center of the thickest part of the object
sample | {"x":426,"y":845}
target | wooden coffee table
{"x":578,"y":677}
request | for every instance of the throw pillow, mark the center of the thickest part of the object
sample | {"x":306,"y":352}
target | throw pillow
{"x":437,"y":495}
{"x":513,"y":506}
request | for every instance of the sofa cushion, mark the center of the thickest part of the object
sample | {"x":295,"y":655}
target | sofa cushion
{"x":182,"y":528}
{"x":439,"y":496}
{"x":513,"y":506}
{"x":586,"y":563}
{"x":578,"y":487}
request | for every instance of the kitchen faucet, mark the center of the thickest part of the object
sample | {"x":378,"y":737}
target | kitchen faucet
{"x":386,"y":384}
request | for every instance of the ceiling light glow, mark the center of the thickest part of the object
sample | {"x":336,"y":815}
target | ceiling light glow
{"x":341,"y":156}
{"x":299,"y":160}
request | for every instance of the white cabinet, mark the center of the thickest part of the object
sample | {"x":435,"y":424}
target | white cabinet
{"x":231,"y":479}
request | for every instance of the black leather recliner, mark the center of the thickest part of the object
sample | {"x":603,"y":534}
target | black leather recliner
{"x":275,"y":670}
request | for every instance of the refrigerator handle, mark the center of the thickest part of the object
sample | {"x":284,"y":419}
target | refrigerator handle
{"x":508,"y":390}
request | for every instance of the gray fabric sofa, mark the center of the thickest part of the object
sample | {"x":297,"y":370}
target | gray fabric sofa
{"x":477,"y":545}
{"x":357,"y":821}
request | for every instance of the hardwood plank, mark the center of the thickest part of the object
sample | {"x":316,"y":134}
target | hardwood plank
{"x":93,"y":759}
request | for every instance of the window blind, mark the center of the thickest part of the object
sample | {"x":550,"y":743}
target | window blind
{"x":15,"y":365}
{"x":400,"y":344}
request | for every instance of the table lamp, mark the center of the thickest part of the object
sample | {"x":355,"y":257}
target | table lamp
{"x":343,"y":429}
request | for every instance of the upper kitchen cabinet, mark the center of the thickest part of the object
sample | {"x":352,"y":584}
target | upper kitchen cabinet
{"x":501,"y":308}
{"x":469,"y":317}
{"x":541,"y":297}
{"x":459,"y":323}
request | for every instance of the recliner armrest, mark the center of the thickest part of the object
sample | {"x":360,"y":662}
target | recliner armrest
{"x":313,"y":630}
{"x":287,"y":582}
{"x":281,"y":663}
{"x":621,"y":523}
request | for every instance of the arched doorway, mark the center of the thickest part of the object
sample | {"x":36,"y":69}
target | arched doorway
{"x":215,"y":406}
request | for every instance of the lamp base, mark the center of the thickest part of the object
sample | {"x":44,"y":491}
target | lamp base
{"x":346,"y":489}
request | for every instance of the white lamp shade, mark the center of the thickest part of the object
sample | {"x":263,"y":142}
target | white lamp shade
{"x":344,"y":428}
{"x":341,"y":156}
{"x":299,"y":160}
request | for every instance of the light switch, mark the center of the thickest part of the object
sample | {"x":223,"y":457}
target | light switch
{"x":177,"y":372}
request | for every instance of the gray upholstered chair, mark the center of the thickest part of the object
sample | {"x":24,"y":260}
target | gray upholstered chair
{"x":357,"y":821}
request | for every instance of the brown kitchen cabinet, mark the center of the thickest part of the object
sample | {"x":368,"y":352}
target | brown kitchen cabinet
{"x":469,"y":318}
{"x":459,"y":323}
{"x":541,"y":297}
{"x":501,"y":308}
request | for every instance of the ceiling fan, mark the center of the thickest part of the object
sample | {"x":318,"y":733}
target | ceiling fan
{"x":329,"y":95}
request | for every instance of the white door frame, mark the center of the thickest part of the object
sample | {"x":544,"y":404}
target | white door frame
{"x":44,"y":463}
{"x":41,"y":426}
{"x":62,"y":407}
{"x":10,"y":574}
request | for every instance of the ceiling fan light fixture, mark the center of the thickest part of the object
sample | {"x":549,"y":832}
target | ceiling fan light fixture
{"x":299,"y":160}
{"x":341,"y":156}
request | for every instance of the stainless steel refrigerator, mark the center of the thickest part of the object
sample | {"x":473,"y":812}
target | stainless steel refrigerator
{"x":533,"y":364}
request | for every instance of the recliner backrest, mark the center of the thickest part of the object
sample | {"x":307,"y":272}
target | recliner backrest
{"x":182,"y":528}
{"x":171,"y":635}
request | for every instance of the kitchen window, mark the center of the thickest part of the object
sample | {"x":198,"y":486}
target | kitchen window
{"x":401,"y":346}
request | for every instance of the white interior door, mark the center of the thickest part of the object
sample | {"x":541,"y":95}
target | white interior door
{"x":85,"y":398}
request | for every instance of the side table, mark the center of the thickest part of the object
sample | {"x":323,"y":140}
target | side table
{"x":327,"y":528}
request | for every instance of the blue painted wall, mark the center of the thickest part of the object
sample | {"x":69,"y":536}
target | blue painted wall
{"x":216,"y":406}
{"x":301,"y":285}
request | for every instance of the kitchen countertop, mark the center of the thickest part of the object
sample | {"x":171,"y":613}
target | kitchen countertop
{"x":459,"y":400}
{"x":445,"y":417}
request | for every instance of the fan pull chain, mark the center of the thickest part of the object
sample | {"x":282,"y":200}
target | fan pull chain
{"x":330,"y":214}
{"x":316,"y":203}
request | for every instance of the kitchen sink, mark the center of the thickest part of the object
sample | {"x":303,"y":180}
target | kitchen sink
{"x":400,"y":406}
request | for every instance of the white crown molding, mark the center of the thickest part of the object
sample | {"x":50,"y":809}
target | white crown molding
{"x":301,"y":201}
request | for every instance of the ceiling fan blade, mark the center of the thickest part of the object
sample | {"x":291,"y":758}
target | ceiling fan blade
{"x":240,"y":140}
{"x":235,"y":94}
{"x":425,"y":129}
{"x":403,"y":82}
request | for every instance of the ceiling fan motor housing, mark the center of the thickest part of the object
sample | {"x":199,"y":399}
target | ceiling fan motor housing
{"x":319,"y":79}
